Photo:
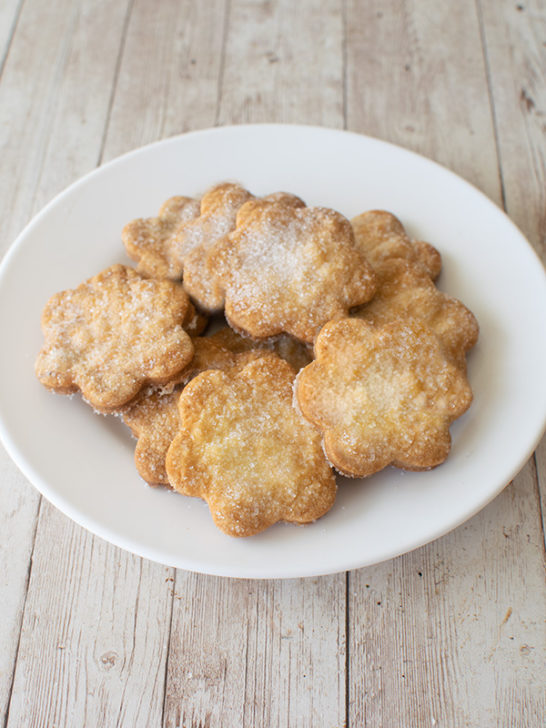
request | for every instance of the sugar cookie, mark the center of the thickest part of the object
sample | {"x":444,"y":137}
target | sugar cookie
{"x":289,"y":269}
{"x":113,"y":336}
{"x":244,"y":449}
{"x":382,"y":395}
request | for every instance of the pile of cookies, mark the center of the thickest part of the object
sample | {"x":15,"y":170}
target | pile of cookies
{"x":339,"y":352}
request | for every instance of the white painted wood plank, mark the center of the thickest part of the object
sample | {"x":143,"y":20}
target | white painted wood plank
{"x":266,"y":653}
{"x":284,"y":63}
{"x":453,"y":633}
{"x":52,"y":113}
{"x":540,"y":457}
{"x":416,"y":77}
{"x":95,"y":633}
{"x":168,"y":79}
{"x":428,"y":644}
{"x":259,"y":653}
{"x":18,"y":509}
{"x":516,"y":57}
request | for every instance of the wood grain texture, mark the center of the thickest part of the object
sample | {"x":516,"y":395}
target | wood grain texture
{"x":514,"y":37}
{"x":18,"y":509}
{"x":169,"y":73}
{"x":451,"y":634}
{"x":283,"y":63}
{"x":9,"y":15}
{"x":540,"y":458}
{"x":260,"y":653}
{"x":409,"y":83}
{"x":94,"y":635}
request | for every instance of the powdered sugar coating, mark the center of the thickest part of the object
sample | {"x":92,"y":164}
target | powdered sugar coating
{"x":114,"y":335}
{"x":406,"y":291}
{"x":245,"y":450}
{"x":382,"y":395}
{"x":290,"y":269}
{"x":380,"y":236}
{"x":149,"y":240}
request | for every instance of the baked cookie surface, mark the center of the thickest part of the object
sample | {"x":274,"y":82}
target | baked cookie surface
{"x":382,"y":395}
{"x":114,"y":335}
{"x":290,"y":269}
{"x":244,"y":449}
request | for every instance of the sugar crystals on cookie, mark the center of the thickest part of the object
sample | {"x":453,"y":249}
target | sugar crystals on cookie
{"x":289,"y":269}
{"x":382,"y":395}
{"x":113,"y":336}
{"x":244,"y":449}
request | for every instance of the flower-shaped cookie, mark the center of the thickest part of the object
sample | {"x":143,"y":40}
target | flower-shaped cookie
{"x":380,"y":236}
{"x":289,"y":269}
{"x":114,"y":335}
{"x":154,"y":420}
{"x":382,"y":395}
{"x":149,"y":241}
{"x":244,"y":449}
{"x":406,"y":291}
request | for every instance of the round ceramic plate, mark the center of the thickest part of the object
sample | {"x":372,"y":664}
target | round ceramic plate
{"x":83,"y":463}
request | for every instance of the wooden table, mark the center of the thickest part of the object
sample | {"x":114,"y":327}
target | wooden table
{"x":449,"y":635}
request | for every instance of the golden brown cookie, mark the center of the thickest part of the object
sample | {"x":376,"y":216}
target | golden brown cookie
{"x":114,"y":336}
{"x":289,"y":269}
{"x":154,"y":420}
{"x":406,"y":291}
{"x":382,"y":395}
{"x":244,"y":449}
{"x":194,"y":240}
{"x":288,"y":348}
{"x":149,"y":241}
{"x":380,"y":236}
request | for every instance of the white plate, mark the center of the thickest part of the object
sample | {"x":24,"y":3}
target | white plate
{"x":83,"y":463}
